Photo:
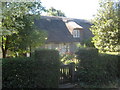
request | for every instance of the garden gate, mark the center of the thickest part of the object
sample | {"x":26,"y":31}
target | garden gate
{"x":67,"y":73}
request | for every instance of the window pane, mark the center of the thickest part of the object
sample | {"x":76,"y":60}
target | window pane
{"x":76,"y":33}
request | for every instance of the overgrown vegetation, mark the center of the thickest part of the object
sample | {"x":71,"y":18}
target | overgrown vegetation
{"x":97,"y":70}
{"x":88,"y":43}
{"x":41,"y":71}
{"x":105,"y":26}
{"x":27,"y":39}
{"x":19,"y":33}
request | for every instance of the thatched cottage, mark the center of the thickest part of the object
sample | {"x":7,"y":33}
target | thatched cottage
{"x":64,"y":33}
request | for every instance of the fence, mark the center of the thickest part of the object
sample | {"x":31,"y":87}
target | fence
{"x":67,"y":73}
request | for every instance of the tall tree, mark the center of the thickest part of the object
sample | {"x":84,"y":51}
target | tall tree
{"x":10,"y":11}
{"x":105,"y":27}
{"x":29,"y":36}
{"x":54,"y":12}
{"x":13,"y":23}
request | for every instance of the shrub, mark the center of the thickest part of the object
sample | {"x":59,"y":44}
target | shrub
{"x":48,"y":66}
{"x":86,"y":53}
{"x":39,"y":72}
{"x":95,"y":69}
{"x":119,"y":67}
{"x":88,"y":42}
{"x":17,"y":73}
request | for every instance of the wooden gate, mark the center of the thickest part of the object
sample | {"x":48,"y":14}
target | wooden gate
{"x":67,"y":73}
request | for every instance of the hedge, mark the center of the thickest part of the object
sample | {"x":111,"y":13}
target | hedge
{"x":17,"y":73}
{"x":96,"y":69}
{"x":42,"y":71}
{"x":49,"y":67}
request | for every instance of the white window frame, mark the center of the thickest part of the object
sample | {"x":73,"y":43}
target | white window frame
{"x":76,"y":33}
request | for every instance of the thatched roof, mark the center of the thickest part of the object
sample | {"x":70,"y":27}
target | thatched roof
{"x":59,"y":29}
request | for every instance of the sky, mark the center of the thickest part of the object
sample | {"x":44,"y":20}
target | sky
{"x":81,"y":9}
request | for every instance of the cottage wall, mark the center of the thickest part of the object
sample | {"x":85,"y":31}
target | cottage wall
{"x":62,"y":47}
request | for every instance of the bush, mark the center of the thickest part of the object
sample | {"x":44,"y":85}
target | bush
{"x":86,"y":53}
{"x":48,"y":66}
{"x":119,"y":67}
{"x":17,"y":73}
{"x":95,"y":69}
{"x":39,"y":72}
{"x":88,"y":42}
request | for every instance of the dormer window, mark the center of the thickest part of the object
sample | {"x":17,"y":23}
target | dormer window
{"x":76,"y":33}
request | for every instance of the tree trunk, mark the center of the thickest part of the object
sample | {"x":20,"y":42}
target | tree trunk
{"x":30,"y":52}
{"x":4,"y":53}
{"x":4,"y":47}
{"x":3,"y":50}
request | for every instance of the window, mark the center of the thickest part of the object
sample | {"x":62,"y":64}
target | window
{"x":76,"y":33}
{"x":48,"y":46}
{"x":63,"y":48}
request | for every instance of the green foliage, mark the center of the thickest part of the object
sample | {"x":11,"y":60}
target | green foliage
{"x":18,"y":73}
{"x":39,"y":72}
{"x":29,"y":37}
{"x":47,"y":56}
{"x":106,"y":26}
{"x":53,"y":12}
{"x":119,"y":67}
{"x":84,"y":53}
{"x":88,"y":43}
{"x":50,"y":64}
{"x":10,"y":12}
{"x":18,"y":30}
{"x":81,"y":45}
{"x":68,"y":58}
{"x":96,"y":70}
